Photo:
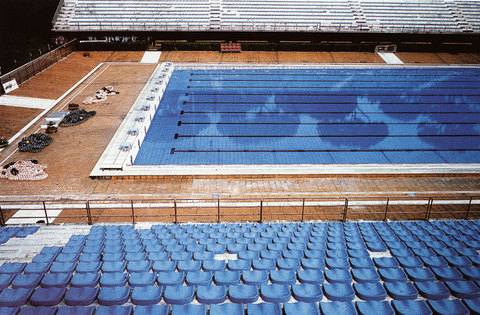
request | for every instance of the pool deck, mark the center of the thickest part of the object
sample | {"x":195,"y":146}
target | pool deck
{"x":75,"y":151}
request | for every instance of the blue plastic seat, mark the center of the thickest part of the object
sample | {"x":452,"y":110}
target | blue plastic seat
{"x":164,"y":266}
{"x":359,"y":263}
{"x":270,"y":254}
{"x":370,"y":291}
{"x":81,"y":296}
{"x":47,"y":296}
{"x":28,"y":281}
{"x":288,"y":264}
{"x":114,"y":310}
{"x":410,"y":307}
{"x":473,"y":305}
{"x":315,"y":253}
{"x":211,"y":294}
{"x":139,"y":266}
{"x":255,"y":277}
{"x":90,"y":256}
{"x":85,"y":279}
{"x":392,"y":274}
{"x":458,"y":261}
{"x":227,"y":277}
{"x":87,"y":267}
{"x":239,"y":265}
{"x":170,"y":278}
{"x":46,"y":257}
{"x":463,"y":289}
{"x":386,"y":262}
{"x":214,"y":265}
{"x":189,"y":309}
{"x":448,"y":307}
{"x":158,"y":256}
{"x":41,"y":267}
{"x":243,"y":293}
{"x":445,"y":252}
{"x":62,"y":257}
{"x":76,"y":310}
{"x":338,"y":276}
{"x":410,"y":262}
{"x":358,"y":253}
{"x":58,"y":280}
{"x":420,"y":274}
{"x":142,"y":279}
{"x":236,"y":248}
{"x":313,"y":263}
{"x":337,"y":307}
{"x":113,"y":295}
{"x":63,"y":267}
{"x":432,"y":290}
{"x":190,"y":265}
{"x":178,"y":294}
{"x":264,"y":264}
{"x":264,"y":309}
{"x":113,"y":279}
{"x":365,"y":275}
{"x":197,"y":278}
{"x":227,"y":308}
{"x":401,"y":290}
{"x":434,"y":261}
{"x":339,"y":292}
{"x":14,"y":297}
{"x":151,"y":309}
{"x":447,"y":274}
{"x":301,"y":308}
{"x":146,"y":295}
{"x":374,"y":307}
{"x":313,"y":276}
{"x":376,"y":246}
{"x":470,"y":273}
{"x":283,"y":276}
{"x":307,"y":292}
{"x":275,"y":293}
{"x":113,"y":266}
{"x":39,"y":310}
{"x":178,"y":256}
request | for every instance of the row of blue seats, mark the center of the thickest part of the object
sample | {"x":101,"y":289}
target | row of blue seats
{"x":406,"y":307}
{"x":7,"y":233}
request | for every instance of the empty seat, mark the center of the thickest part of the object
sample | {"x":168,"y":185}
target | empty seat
{"x":40,"y":310}
{"x":190,"y":265}
{"x":432,"y":290}
{"x":448,"y":307}
{"x":365,"y":275}
{"x":226,"y":308}
{"x":170,"y":278}
{"x":113,"y":279}
{"x":214,"y":265}
{"x":76,"y":310}
{"x":374,"y":307}
{"x":337,"y":263}
{"x":243,"y":293}
{"x":41,"y":267}
{"x":256,"y":277}
{"x":337,"y":307}
{"x":463,"y":289}
{"x":28,"y":281}
{"x":114,"y":310}
{"x":211,"y":294}
{"x":146,"y":295}
{"x":164,"y":266}
{"x":313,"y":263}
{"x":264,"y":264}
{"x":283,"y":277}
{"x":227,"y":277}
{"x":85,"y":279}
{"x":81,"y":296}
{"x":47,"y":296}
{"x":142,"y":279}
{"x":239,"y":265}
{"x":56,"y":280}
{"x":338,"y":276}
{"x":275,"y":293}
{"x":139,"y":266}
{"x":420,"y":274}
{"x":151,"y":309}
{"x":392,"y":274}
{"x":15,"y":297}
{"x":470,"y":273}
{"x":197,"y":278}
{"x":189,"y":309}
{"x":386,"y":262}
{"x":301,"y":308}
{"x":90,"y":266}
{"x":339,"y":292}
{"x":178,"y":294}
{"x":447,"y":274}
{"x":410,"y":262}
{"x":409,"y":307}
{"x":113,"y":295}
{"x":264,"y":309}
{"x":113,"y":266}
{"x":307,"y":292}
{"x":434,"y":261}
{"x":401,"y":290}
{"x":370,"y":291}
{"x":473,"y":305}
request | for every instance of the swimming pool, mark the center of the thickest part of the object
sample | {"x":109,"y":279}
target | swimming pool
{"x":322,"y":115}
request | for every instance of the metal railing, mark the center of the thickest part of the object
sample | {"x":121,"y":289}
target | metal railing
{"x":240,"y":209}
{"x":32,"y":68}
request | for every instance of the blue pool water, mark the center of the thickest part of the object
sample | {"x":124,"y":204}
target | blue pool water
{"x":317,"y":116}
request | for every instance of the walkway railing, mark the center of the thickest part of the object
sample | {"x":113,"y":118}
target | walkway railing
{"x":240,"y":209}
{"x":32,"y":68}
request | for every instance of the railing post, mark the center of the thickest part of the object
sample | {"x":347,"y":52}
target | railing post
{"x":261,"y":210}
{"x":218,"y":210}
{"x":175,"y":208}
{"x":303,"y":207}
{"x":2,"y":218}
{"x":466,"y":216}
{"x":89,"y":215}
{"x":429,"y":209}
{"x":386,"y":210}
{"x":45,"y":210}
{"x":345,"y":209}
{"x":133,"y":212}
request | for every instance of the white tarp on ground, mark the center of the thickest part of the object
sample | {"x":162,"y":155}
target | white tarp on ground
{"x":390,"y":58}
{"x":151,"y":57}
{"x":28,"y":102}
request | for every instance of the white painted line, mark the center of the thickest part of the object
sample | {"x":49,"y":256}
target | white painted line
{"x":26,"y":102}
{"x":32,"y":216}
{"x":151,"y":57}
{"x":390,"y":58}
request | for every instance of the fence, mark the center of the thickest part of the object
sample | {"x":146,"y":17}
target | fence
{"x":32,"y":68}
{"x":240,"y":209}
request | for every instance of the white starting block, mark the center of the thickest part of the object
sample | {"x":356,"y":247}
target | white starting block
{"x":55,"y":118}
